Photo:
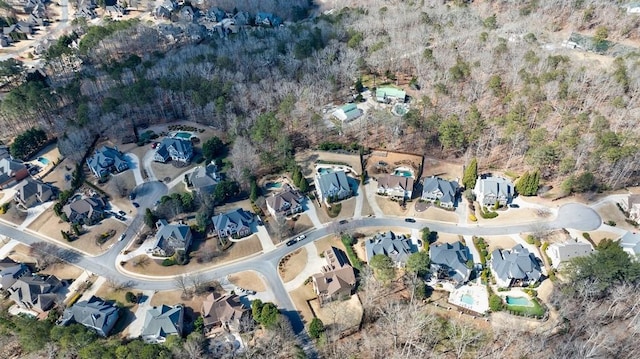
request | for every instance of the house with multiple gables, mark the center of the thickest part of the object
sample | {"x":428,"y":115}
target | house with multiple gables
{"x":107,"y":160}
{"x":11,"y":172}
{"x":175,"y":149}
{"x":35,"y":292}
{"x":438,"y":190}
{"x":563,"y":252}
{"x":630,"y":243}
{"x":95,"y":314}
{"x":388,"y":94}
{"x":489,"y":190}
{"x":203,"y":179}
{"x":285,"y":203}
{"x":347,"y":113}
{"x":161,"y":322}
{"x":31,"y":192}
{"x":267,"y":19}
{"x":235,"y":224}
{"x":397,"y":187}
{"x":516,"y":266}
{"x":11,"y":271}
{"x":85,"y":211}
{"x":337,"y":279}
{"x":224,"y":313}
{"x":396,"y":247}
{"x":332,"y":186}
{"x":631,"y":206}
{"x":171,"y":238}
{"x":449,"y":262}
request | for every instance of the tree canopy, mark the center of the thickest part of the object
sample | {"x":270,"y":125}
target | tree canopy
{"x":212,"y":148}
{"x":28,"y":142}
{"x":383,"y":268}
{"x":418,"y":263}
{"x":528,"y":184}
{"x":470,"y":174}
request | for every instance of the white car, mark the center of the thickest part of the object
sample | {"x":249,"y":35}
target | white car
{"x":301,"y":237}
{"x":121,"y":237}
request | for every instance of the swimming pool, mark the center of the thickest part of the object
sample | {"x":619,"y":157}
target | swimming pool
{"x":466,"y":299}
{"x":402,"y":173}
{"x":271,"y":185}
{"x":185,"y":135}
{"x":519,"y":301}
{"x":324,"y":170}
{"x":43,"y":160}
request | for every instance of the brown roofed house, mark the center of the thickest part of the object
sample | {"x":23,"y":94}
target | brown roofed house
{"x":396,"y":187}
{"x":11,"y":171}
{"x":337,"y":278}
{"x":87,"y":210}
{"x":224,"y":313}
{"x":285,"y":203}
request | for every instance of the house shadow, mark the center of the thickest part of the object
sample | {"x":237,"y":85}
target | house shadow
{"x":124,"y":320}
{"x":354,"y":185}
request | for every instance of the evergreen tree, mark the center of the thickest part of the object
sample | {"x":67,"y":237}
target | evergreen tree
{"x":304,"y":186}
{"x":255,"y":191}
{"x":296,"y":176}
{"x":523,"y":183}
{"x":470,"y":174}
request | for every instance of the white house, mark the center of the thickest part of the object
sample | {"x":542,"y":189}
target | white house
{"x":565,"y":251}
{"x":489,"y":190}
{"x":630,"y":243}
{"x":631,"y":205}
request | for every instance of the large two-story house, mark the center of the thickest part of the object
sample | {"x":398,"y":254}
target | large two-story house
{"x":224,"y":313}
{"x":10,"y":271}
{"x":394,"y":246}
{"x":489,"y":190}
{"x":438,"y":190}
{"x":11,"y":172}
{"x":85,"y":211}
{"x":31,"y":193}
{"x":516,"y":266}
{"x":631,"y":205}
{"x":285,"y":203}
{"x":175,"y":149}
{"x":171,"y":238}
{"x":332,"y":186}
{"x":94,"y":314}
{"x":236,"y":224}
{"x":107,"y":160}
{"x":35,"y":292}
{"x":161,"y":322}
{"x":450,"y":262}
{"x":397,"y":187}
{"x":337,"y":278}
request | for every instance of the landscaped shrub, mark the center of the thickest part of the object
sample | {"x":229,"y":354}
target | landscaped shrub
{"x":495,"y":303}
{"x":348,"y":242}
{"x":486,"y":214}
{"x":168,"y":262}
{"x":334,"y":210}
{"x":473,"y":218}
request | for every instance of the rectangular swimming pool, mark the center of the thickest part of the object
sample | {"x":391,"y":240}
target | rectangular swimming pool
{"x":466,"y":299}
{"x":43,"y":160}
{"x":185,"y":135}
{"x":402,"y":173}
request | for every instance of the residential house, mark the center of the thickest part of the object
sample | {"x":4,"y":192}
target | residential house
{"x":631,"y":205}
{"x":438,"y":190}
{"x":36,"y":20}
{"x":162,"y":321}
{"x":215,"y":14}
{"x":35,"y":292}
{"x":632,"y":8}
{"x":31,"y":193}
{"x":630,"y":243}
{"x":19,"y":31}
{"x":236,"y":224}
{"x":171,"y":238}
{"x":175,"y":149}
{"x":489,"y":190}
{"x":29,"y":5}
{"x":10,"y":271}
{"x":516,"y":266}
{"x":94,"y":314}
{"x":267,"y":19}
{"x":116,"y":10}
{"x":285,"y":203}
{"x":388,"y":94}
{"x":450,"y":261}
{"x":87,"y":11}
{"x":565,"y":251}
{"x":5,"y":152}
{"x":203,"y":179}
{"x":186,"y":14}
{"x":85,"y":211}
{"x":165,"y":9}
{"x":224,"y":313}
{"x":332,"y":186}
{"x":394,"y":246}
{"x":337,"y":279}
{"x":5,"y":41}
{"x":396,"y":187}
{"x":107,"y":160}
{"x":348,"y":112}
{"x":11,"y":172}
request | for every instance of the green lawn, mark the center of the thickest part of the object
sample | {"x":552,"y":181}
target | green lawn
{"x":533,"y":311}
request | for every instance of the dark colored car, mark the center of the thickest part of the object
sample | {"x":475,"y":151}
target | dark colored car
{"x":122,"y":213}
{"x":344,"y":221}
{"x":291,"y":242}
{"x":513,"y":205}
{"x":135,"y":204}
{"x":132,"y":196}
{"x":410,"y":220}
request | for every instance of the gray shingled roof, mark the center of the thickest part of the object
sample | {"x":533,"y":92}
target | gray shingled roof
{"x":29,"y":188}
{"x":236,"y":218}
{"x":449,"y":189}
{"x":35,"y":291}
{"x":171,"y":237}
{"x":10,"y":271}
{"x":333,"y":181}
{"x":395,"y":247}
{"x":498,"y":186}
{"x":163,"y":321}
{"x":104,"y":158}
{"x":181,"y":146}
{"x":515,"y":264}
{"x":94,"y":313}
{"x":451,"y":258}
{"x":204,"y":177}
{"x":8,"y":167}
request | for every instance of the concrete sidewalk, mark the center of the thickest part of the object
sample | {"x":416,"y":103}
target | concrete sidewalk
{"x":8,"y":247}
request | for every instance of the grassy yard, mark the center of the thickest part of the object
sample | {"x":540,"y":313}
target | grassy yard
{"x":536,"y":310}
{"x":292,"y":264}
{"x":248,"y":280}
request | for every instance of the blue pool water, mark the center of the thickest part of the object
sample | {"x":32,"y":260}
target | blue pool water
{"x":324,"y":170}
{"x":402,"y":173}
{"x":520,"y":301}
{"x":271,"y":185}
{"x":43,"y":160}
{"x":185,"y":135}
{"x":467,"y":299}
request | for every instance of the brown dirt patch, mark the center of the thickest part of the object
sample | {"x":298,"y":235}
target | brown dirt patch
{"x":611,"y":212}
{"x":512,"y":215}
{"x":299,"y":297}
{"x":126,"y":180}
{"x":445,"y":170}
{"x":437,"y":214}
{"x":292,"y":264}
{"x":238,"y":250}
{"x":168,"y":170}
{"x":499,"y":242}
{"x":63,"y":271}
{"x":448,"y":238}
{"x":343,"y":314}
{"x":308,"y":161}
{"x":347,"y":211}
{"x":20,"y":253}
{"x":598,"y":236}
{"x":248,"y":280}
{"x":442,"y":299}
{"x":57,"y":176}
{"x":393,"y":208}
{"x":230,"y":206}
{"x":392,"y":161}
{"x":173,"y":297}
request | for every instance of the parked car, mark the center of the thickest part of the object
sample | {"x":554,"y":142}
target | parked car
{"x":122,"y":237}
{"x":122,"y":213}
{"x":301,"y":237}
{"x":513,"y":205}
{"x":410,"y":220}
{"x":135,"y":204}
{"x":132,"y":196}
{"x":344,"y":221}
{"x":291,"y":242}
